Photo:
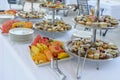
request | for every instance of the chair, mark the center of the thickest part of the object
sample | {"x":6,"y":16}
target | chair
{"x":83,"y":7}
{"x":20,"y":3}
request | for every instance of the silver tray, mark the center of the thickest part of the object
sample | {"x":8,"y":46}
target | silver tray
{"x":95,"y":27}
{"x":66,"y":47}
{"x":17,"y":15}
{"x":47,"y":7}
{"x":55,"y":32}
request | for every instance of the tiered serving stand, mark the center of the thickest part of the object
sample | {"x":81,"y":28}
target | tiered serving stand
{"x":92,"y":43}
{"x":52,"y":8}
{"x":26,"y":15}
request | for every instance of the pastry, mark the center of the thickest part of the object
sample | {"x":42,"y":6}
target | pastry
{"x":103,"y":21}
{"x":81,"y":22}
{"x":114,"y":22}
{"x":102,"y":56}
{"x":91,"y":56}
{"x":58,"y":26}
{"x":103,"y":24}
{"x":88,"y":23}
{"x":99,"y":50}
{"x":95,"y":24}
{"x":113,"y":47}
{"x":96,"y":56}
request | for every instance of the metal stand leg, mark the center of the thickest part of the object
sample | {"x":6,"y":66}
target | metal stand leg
{"x":97,"y":66}
{"x":75,"y":25}
{"x":100,"y":32}
{"x":94,"y":35}
{"x":10,"y":6}
{"x":23,"y":6}
{"x":82,"y":65}
{"x":65,"y":13}
{"x":78,"y":66}
{"x":105,"y":32}
{"x":86,"y":29}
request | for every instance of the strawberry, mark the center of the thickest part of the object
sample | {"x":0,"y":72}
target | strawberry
{"x":58,"y":48}
{"x":46,"y":38}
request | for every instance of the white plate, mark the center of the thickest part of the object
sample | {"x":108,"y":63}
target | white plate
{"x":21,"y":34}
{"x":81,"y":34}
{"x":48,"y":63}
{"x":21,"y":31}
{"x":65,"y":59}
{"x":3,"y":16}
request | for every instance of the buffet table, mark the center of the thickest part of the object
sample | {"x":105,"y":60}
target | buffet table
{"x":18,"y":65}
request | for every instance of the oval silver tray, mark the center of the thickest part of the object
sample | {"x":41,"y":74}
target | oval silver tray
{"x":95,"y":27}
{"x":41,"y":17}
{"x":65,"y":8}
{"x":66,"y":47}
{"x":35,"y":27}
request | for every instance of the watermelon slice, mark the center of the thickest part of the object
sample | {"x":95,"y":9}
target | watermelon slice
{"x":6,"y":26}
{"x":58,"y":48}
{"x":36,"y":40}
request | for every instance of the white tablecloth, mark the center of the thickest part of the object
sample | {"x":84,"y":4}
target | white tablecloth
{"x":11,"y":65}
{"x":16,"y":64}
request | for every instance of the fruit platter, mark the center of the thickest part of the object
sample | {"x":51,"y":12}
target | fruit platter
{"x":10,"y":24}
{"x":48,"y":26}
{"x":97,"y":51}
{"x":10,"y":12}
{"x":104,"y":22}
{"x":43,"y":49}
{"x":30,"y":15}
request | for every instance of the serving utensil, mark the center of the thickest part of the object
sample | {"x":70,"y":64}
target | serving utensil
{"x":80,"y":71}
{"x":54,"y":66}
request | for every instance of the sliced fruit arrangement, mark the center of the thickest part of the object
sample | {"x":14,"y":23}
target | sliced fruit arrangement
{"x":22,"y":24}
{"x":43,"y":49}
{"x":11,"y":12}
{"x":6,"y":26}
